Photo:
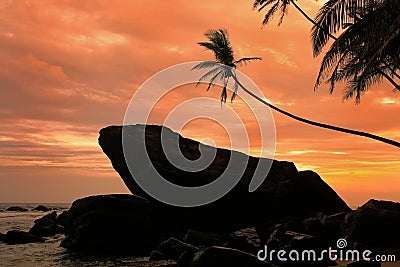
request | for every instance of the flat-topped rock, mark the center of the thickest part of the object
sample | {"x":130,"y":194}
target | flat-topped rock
{"x":285,"y":191}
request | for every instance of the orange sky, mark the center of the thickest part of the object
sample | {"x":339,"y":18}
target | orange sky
{"x":70,"y":68}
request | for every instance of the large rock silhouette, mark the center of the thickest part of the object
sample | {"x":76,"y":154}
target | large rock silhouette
{"x":284,"y":192}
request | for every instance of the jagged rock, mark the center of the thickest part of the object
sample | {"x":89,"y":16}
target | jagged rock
{"x":202,"y":239}
{"x":47,"y":225}
{"x":246,"y":240}
{"x":327,"y":228}
{"x":283,"y":239}
{"x":115,"y":224}
{"x":156,"y":255}
{"x":16,"y":208}
{"x":222,"y":256}
{"x":285,"y":191}
{"x":21,"y":237}
{"x":41,"y":208}
{"x":62,"y":217}
{"x":173,"y":249}
{"x":375,"y":224}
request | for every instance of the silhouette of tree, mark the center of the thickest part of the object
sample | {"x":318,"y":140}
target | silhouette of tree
{"x":366,"y":52}
{"x":223,"y":68}
{"x":368,"y":49}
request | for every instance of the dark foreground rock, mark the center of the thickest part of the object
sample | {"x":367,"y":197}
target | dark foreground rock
{"x":47,"y":225}
{"x":20,"y":237}
{"x":222,"y":256}
{"x":376,"y":224}
{"x":174,"y":249}
{"x":16,"y":208}
{"x":246,"y":240}
{"x":285,"y":191}
{"x":202,"y":239}
{"x":115,"y":224}
{"x":41,"y":208}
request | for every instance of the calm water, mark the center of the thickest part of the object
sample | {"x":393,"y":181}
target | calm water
{"x":48,"y":253}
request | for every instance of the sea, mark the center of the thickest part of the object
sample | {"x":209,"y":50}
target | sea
{"x":49,"y":253}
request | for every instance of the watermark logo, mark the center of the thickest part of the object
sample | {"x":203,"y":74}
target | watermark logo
{"x":144,"y":102}
{"x":340,"y":253}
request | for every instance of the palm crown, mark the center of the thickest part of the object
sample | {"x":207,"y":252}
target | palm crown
{"x":223,"y":67}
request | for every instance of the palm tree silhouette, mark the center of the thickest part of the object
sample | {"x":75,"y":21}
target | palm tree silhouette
{"x":360,"y":63}
{"x":224,"y":69}
{"x":367,"y":50}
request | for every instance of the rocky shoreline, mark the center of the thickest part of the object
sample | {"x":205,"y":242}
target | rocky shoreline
{"x":291,"y":210}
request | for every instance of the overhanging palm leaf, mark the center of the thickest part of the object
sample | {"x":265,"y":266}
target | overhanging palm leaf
{"x":224,"y":70}
{"x":366,"y":52}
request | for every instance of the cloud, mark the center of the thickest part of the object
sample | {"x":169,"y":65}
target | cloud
{"x":69,"y":68}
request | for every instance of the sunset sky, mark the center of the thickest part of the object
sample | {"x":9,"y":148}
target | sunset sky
{"x":70,"y":68}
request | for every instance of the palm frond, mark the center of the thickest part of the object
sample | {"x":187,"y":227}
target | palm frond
{"x":261,"y":4}
{"x":206,"y":65}
{"x":332,"y":17}
{"x":270,"y":14}
{"x":234,"y":93}
{"x":212,"y":80}
{"x":213,"y":71}
{"x":245,"y":60}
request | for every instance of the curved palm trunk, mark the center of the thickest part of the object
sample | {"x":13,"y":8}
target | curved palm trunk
{"x":310,"y":19}
{"x":318,"y":124}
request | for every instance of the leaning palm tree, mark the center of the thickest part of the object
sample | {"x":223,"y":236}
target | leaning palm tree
{"x":223,"y":69}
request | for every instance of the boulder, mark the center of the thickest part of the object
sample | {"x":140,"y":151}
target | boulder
{"x":47,"y":225}
{"x":41,"y":208}
{"x":285,"y":191}
{"x":16,"y":208}
{"x":61,"y":217}
{"x":202,"y":239}
{"x":246,"y":240}
{"x":222,"y":256}
{"x":325,"y":227}
{"x":115,"y":224}
{"x":172,"y":249}
{"x":20,"y":237}
{"x":375,"y":224}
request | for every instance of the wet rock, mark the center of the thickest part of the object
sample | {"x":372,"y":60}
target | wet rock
{"x":16,"y":208}
{"x":47,"y":225}
{"x":246,"y":240}
{"x":62,"y":217}
{"x":201,"y":239}
{"x":156,"y":255}
{"x":41,"y":208}
{"x":20,"y":237}
{"x":375,"y":224}
{"x":222,"y":256}
{"x":174,"y":248}
{"x":114,"y":224}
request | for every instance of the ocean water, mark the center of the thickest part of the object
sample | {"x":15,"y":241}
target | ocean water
{"x":49,"y":253}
